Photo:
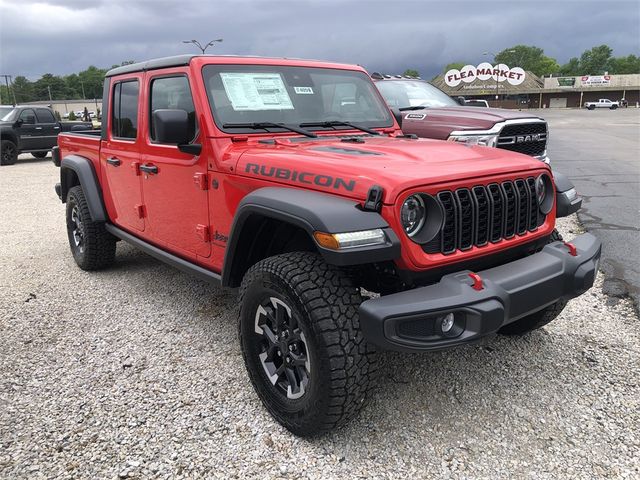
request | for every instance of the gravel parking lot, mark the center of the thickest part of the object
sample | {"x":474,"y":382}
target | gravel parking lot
{"x":136,"y":372}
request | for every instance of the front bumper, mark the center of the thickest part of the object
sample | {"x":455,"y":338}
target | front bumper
{"x":409,"y":321}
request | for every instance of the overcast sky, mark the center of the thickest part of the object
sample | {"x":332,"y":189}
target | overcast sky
{"x":65,"y":36}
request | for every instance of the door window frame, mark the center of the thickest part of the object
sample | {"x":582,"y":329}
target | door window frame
{"x":152,"y":79}
{"x":111,"y":116}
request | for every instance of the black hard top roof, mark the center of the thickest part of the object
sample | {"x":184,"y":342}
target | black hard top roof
{"x":165,"y":62}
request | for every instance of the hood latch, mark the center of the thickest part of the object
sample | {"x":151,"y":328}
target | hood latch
{"x":373,"y":203}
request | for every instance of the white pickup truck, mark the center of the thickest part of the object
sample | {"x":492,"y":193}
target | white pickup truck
{"x":602,"y":103}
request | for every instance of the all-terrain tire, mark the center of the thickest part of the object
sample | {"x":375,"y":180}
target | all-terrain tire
{"x":8,"y":152}
{"x":323,"y":301}
{"x":39,"y":154}
{"x":92,"y":246}
{"x":538,"y":319}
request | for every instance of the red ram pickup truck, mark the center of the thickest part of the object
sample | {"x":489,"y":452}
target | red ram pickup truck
{"x":424,"y":110}
{"x":291,"y":180}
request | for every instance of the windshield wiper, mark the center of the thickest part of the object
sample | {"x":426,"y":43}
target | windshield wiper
{"x":414,"y":107}
{"x":338,"y":123}
{"x":265,"y":125}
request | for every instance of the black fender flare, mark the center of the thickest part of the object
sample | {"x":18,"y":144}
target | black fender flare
{"x":83,"y":169}
{"x":7,"y":134}
{"x":567,"y":199}
{"x":311,"y":211}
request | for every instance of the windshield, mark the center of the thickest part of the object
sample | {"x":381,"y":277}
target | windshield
{"x":6,"y":114}
{"x":240,"y":95}
{"x":413,"y":93}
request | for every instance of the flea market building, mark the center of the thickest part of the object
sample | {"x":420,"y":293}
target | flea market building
{"x":547,"y":92}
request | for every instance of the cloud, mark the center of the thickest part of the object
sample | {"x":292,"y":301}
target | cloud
{"x":65,"y":36}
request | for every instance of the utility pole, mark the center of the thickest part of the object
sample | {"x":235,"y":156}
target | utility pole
{"x":49,"y":89}
{"x":82,"y":85}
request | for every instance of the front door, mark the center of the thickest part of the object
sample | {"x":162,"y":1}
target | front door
{"x":27,"y":130}
{"x":120,"y":155}
{"x":174,"y":183}
{"x":49,"y":129}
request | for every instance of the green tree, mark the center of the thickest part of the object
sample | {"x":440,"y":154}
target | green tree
{"x":450,"y":66}
{"x":409,"y":72}
{"x":92,"y":78}
{"x":595,"y":61}
{"x":571,"y":68}
{"x":74,"y":86}
{"x":72,"y":116}
{"x":529,"y":58}
{"x":23,"y":89}
{"x":624,"y":65}
{"x":48,"y":81}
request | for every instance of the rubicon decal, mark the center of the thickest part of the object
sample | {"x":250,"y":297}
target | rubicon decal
{"x":307,"y":178}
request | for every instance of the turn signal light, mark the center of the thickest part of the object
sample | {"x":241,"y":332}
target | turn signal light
{"x":341,"y":241}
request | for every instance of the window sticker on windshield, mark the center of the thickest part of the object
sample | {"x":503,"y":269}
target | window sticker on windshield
{"x":303,"y":90}
{"x":256,"y":91}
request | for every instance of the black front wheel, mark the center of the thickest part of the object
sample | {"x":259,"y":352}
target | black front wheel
{"x":40,"y":154}
{"x":8,"y":153}
{"x":302,"y":344}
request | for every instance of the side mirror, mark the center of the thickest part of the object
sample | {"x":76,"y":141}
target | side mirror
{"x":171,"y":126}
{"x":398,"y":114}
{"x":18,"y":123}
{"x":461,"y":101}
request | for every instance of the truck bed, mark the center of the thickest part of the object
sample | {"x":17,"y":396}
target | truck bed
{"x":83,"y":143}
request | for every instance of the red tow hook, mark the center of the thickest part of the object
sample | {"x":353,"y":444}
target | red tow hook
{"x":573,"y":251}
{"x":477,"y":281}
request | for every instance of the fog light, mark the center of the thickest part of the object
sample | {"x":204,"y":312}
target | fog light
{"x":447,"y":322}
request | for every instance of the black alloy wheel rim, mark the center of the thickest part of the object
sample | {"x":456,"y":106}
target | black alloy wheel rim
{"x":77,"y":228}
{"x":7,"y":153}
{"x":284,"y":355}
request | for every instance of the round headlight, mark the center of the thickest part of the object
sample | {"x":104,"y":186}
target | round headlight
{"x":413,"y":214}
{"x":544,"y":193}
{"x":541,"y":189}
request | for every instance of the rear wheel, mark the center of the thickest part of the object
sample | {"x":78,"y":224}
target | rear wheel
{"x":301,"y":341}
{"x":92,"y":246}
{"x":39,"y":154}
{"x":8,"y":153}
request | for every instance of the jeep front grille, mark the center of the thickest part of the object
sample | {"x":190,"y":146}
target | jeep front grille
{"x":486,"y":213}
{"x":527,"y":138}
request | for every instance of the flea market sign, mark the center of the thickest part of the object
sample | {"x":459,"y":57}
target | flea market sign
{"x":484,"y":72}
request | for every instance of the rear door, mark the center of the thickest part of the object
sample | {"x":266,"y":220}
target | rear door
{"x":48,"y":128}
{"x":27,"y":130}
{"x":174,"y":183}
{"x":120,"y":153}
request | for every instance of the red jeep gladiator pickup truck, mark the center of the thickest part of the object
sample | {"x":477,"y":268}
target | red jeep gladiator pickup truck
{"x":291,"y":180}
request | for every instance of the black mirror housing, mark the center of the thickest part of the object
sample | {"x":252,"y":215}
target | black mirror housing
{"x":461,"y":101}
{"x":398,"y":116}
{"x":171,"y":126}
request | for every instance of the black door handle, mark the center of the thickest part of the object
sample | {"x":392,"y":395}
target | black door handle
{"x":149,"y":168}
{"x":114,"y":161}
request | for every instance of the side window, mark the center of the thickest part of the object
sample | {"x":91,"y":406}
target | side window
{"x":124,"y":110}
{"x":172,"y":93}
{"x":28,"y":117}
{"x":45,"y":116}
